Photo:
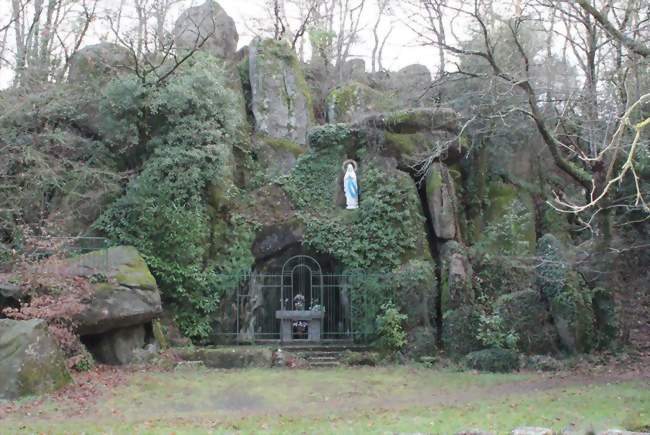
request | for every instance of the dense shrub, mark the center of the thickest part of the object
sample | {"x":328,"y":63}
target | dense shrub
{"x":527,"y":315}
{"x":390,"y":327}
{"x":173,"y":212}
{"x":459,"y":331}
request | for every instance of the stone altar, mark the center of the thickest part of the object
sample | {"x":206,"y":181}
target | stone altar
{"x":287,"y":317}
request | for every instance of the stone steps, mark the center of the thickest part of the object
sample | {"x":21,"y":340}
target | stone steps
{"x":322,"y":356}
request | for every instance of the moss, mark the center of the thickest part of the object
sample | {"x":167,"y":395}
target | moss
{"x":283,"y":145}
{"x":159,"y":334}
{"x":403,"y":117}
{"x":501,"y":196}
{"x":405,"y":144}
{"x":136,"y":274}
{"x":37,"y":377}
{"x":434,"y":181}
{"x":355,"y":98}
{"x":272,"y":52}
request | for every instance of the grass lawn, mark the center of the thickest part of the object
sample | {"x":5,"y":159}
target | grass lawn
{"x":346,"y":400}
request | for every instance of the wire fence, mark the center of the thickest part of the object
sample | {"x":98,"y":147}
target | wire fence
{"x":38,"y":251}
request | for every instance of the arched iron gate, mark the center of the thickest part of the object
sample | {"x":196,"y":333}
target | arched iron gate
{"x":349,"y":310}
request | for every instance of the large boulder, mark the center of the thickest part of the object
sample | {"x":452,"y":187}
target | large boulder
{"x":280,"y":99}
{"x":355,"y":100}
{"x":30,"y":359}
{"x":99,"y":62}
{"x":411,"y":85}
{"x":91,"y":68}
{"x":441,"y":196}
{"x":124,"y":290}
{"x":207,"y":28}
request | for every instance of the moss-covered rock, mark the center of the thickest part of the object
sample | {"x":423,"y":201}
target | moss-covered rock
{"x":441,"y":198}
{"x":525,"y":313}
{"x":492,"y":360}
{"x":459,"y":331}
{"x":280,"y":98}
{"x":456,"y":275}
{"x":99,"y":63}
{"x":210,"y":25}
{"x":31,"y":362}
{"x":353,"y":101}
{"x":125,"y":292}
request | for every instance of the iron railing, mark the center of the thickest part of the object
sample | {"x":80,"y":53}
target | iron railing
{"x":351,"y":301}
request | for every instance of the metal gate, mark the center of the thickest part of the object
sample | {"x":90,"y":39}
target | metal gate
{"x":350,"y":309}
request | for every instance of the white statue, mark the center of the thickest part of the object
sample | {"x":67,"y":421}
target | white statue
{"x":350,"y":186}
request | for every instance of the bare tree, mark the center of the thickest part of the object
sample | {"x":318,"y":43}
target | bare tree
{"x":46,"y":35}
{"x":383,"y":8}
{"x":598,"y":158}
{"x":600,"y":16}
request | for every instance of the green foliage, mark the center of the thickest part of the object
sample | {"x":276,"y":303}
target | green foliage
{"x":511,"y":232}
{"x":459,"y":330}
{"x":553,"y":267}
{"x":527,"y":314}
{"x":350,"y":358}
{"x":492,"y":332}
{"x":392,"y":336}
{"x":574,"y":316}
{"x":329,"y":136}
{"x":193,"y":107}
{"x":497,"y":360}
{"x":50,"y":173}
{"x":173,"y":211}
{"x":379,"y":234}
{"x":322,"y":40}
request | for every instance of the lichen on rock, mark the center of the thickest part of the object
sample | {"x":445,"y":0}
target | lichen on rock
{"x":31,"y":362}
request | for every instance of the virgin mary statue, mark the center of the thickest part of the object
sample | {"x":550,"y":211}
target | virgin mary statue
{"x":351,"y":187}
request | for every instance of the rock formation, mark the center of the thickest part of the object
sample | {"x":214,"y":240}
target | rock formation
{"x":207,"y":28}
{"x":280,"y":99}
{"x":30,"y":360}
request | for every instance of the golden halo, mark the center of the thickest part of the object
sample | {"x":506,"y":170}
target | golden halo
{"x":352,"y":162}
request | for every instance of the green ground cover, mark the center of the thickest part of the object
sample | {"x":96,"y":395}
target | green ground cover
{"x":363,"y":400}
